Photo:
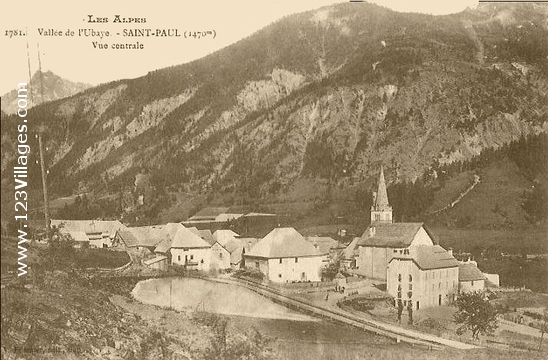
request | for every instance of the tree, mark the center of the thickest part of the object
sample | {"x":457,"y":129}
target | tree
{"x":475,"y":313}
{"x":400,"y":310}
{"x":330,"y":270}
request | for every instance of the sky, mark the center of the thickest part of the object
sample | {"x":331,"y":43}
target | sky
{"x":75,"y":58}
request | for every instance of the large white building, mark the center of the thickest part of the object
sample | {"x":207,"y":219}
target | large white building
{"x":424,"y":276}
{"x":284,"y":255}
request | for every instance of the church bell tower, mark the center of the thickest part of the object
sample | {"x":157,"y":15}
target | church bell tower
{"x":381,"y":211}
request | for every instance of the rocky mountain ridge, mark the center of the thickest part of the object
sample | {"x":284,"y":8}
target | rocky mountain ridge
{"x":44,"y":87}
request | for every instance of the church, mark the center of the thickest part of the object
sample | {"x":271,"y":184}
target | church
{"x":384,"y":239}
{"x":417,"y":271}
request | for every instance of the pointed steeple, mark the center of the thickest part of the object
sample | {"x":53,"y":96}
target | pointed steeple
{"x":381,"y":200}
{"x":381,"y":211}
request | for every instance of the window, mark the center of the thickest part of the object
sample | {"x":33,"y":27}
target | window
{"x":257,"y":265}
{"x":418,"y":305}
{"x":191,"y":257}
{"x":179,"y":258}
{"x":410,"y":278}
{"x":296,"y":260}
{"x":399,"y":287}
{"x":377,"y":217}
{"x":410,"y":286}
{"x":399,"y":277}
{"x":279,"y":275}
{"x":280,"y":260}
{"x":221,"y":256}
{"x":472,"y":282}
{"x":399,"y":294}
{"x":395,"y":251}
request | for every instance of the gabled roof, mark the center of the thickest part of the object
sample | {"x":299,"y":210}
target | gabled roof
{"x":429,"y":257}
{"x":204,"y":234}
{"x":350,"y":251}
{"x":227,"y":217}
{"x":470,"y":272}
{"x":224,"y":236}
{"x":163,"y":246}
{"x":185,"y":238}
{"x":392,"y":235}
{"x":324,"y":243}
{"x":146,"y":236}
{"x":209,"y":213}
{"x":154,"y":260}
{"x":238,"y":246}
{"x":79,"y":236}
{"x":89,"y":226}
{"x":283,"y":242}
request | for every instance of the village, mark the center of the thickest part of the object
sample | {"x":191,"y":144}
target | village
{"x":395,"y":279}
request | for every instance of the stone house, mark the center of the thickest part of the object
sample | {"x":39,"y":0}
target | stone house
{"x":284,"y":255}
{"x":424,"y":276}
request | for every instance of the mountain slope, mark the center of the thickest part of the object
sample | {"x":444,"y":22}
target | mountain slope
{"x":329,"y":94}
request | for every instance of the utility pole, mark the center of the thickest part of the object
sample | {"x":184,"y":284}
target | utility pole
{"x":44,"y":179}
{"x":41,"y":148}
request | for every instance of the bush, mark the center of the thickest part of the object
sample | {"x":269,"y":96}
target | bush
{"x":250,"y":273}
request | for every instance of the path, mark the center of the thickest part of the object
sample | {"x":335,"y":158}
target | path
{"x":457,"y":200}
{"x":337,"y":314}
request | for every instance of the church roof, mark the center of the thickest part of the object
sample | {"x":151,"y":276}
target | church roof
{"x":392,"y":235}
{"x":429,"y":257}
{"x":283,"y":243}
{"x":470,"y":272}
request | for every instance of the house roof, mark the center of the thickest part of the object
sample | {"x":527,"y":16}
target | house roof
{"x":392,"y":235}
{"x":89,"y":226}
{"x":77,"y":235}
{"x":252,"y":214}
{"x":283,"y":242}
{"x":204,"y":234}
{"x":227,"y":217}
{"x":470,"y":272}
{"x":186,"y":238}
{"x":324,"y":243}
{"x":224,"y":236}
{"x":350,"y":251}
{"x":209,"y":213}
{"x":429,"y":257}
{"x":154,"y":260}
{"x":147,"y":236}
{"x":238,"y":246}
{"x":163,"y":246}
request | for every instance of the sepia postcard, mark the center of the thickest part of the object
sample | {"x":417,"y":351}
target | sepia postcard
{"x":310,"y":179}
